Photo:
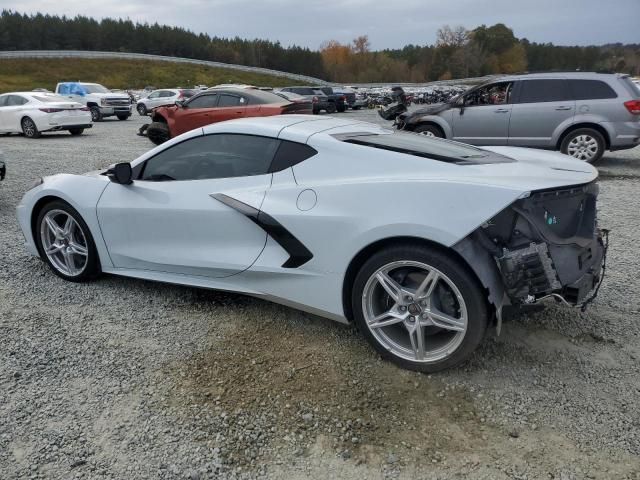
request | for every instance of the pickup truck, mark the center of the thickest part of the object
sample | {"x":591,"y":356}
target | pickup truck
{"x":100,"y":100}
{"x":335,"y":97}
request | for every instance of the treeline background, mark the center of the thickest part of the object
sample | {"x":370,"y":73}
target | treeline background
{"x":458,"y":52}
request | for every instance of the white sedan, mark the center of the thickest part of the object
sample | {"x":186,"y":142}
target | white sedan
{"x":421,"y":242}
{"x":32,"y":113}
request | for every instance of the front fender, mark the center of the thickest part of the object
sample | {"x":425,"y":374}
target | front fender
{"x":82,"y":192}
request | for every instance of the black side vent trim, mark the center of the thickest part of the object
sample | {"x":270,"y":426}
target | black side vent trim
{"x":298,"y":253}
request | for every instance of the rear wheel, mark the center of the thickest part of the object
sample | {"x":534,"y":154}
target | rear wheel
{"x":585,"y":144}
{"x":29,"y":128}
{"x":341,"y":108}
{"x":158,"y":132}
{"x":419,"y":307}
{"x":96,"y":114}
{"x":331,"y":108}
{"x":65,"y":243}
{"x":76,"y":131}
{"x":429,"y":131}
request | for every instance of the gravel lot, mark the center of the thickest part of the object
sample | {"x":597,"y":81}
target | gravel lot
{"x":130,"y":379}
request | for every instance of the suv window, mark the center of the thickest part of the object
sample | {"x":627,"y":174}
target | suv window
{"x":493,"y":94}
{"x":167,"y":93}
{"x":227,"y":100}
{"x":212,"y":156}
{"x":591,"y":90}
{"x":547,"y":90}
{"x":208,"y":100}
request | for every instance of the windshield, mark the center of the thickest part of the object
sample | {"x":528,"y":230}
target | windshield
{"x":423,"y":146}
{"x":95,"y":88}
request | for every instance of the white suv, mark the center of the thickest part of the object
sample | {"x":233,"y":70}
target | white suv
{"x":159,"y":98}
{"x":100,"y":100}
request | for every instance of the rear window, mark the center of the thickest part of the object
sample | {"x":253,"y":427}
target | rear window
{"x":538,"y":91}
{"x":422,"y":146}
{"x":591,"y":90}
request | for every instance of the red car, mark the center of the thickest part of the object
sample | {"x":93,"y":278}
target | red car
{"x":217,"y":105}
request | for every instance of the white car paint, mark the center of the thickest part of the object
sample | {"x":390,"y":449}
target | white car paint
{"x":179,"y":234}
{"x":48,"y":111}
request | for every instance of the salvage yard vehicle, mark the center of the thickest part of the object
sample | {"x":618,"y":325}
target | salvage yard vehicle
{"x":100,"y":100}
{"x":421,"y":242}
{"x":32,"y":113}
{"x":317,"y":97}
{"x":159,"y":98}
{"x":216,"y":105}
{"x":579,"y":114}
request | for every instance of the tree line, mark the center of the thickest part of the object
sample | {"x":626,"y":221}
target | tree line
{"x":457,"y":53}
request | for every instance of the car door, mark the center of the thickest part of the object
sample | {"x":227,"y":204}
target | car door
{"x":230,"y":106}
{"x":171,"y":218}
{"x":152,"y":101}
{"x":482,"y":116}
{"x":540,"y":106}
{"x":197,"y":112}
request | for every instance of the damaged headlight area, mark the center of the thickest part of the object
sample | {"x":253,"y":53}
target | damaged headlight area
{"x":547,"y":244}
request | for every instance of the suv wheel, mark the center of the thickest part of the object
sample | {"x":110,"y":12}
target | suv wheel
{"x":29,"y":128}
{"x":429,"y":131}
{"x":65,"y":243}
{"x":585,"y":144}
{"x":419,"y":307}
{"x":331,"y":108}
{"x":142,"y":109}
{"x":96,"y":114}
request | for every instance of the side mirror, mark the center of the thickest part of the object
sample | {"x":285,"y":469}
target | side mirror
{"x":180,"y":103}
{"x":121,"y":173}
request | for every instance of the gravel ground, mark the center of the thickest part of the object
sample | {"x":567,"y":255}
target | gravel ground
{"x":123,"y":378}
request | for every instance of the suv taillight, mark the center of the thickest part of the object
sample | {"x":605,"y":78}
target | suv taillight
{"x":633,"y":106}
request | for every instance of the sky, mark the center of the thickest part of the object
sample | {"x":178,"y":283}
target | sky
{"x":388,"y":23}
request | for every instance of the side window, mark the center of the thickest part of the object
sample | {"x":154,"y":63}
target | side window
{"x":154,"y":95}
{"x":290,"y":154}
{"x":231,"y":101}
{"x":16,"y":101}
{"x":166,"y":93}
{"x":493,"y":94}
{"x":591,"y":90}
{"x":203,"y":101}
{"x":212,"y":156}
{"x":538,"y":91}
{"x":3,"y":100}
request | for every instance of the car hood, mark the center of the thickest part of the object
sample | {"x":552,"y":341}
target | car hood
{"x":429,"y":110}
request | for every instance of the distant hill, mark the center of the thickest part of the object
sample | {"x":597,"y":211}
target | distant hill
{"x":30,"y":73}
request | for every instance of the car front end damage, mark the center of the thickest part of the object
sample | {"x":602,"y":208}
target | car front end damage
{"x":546,"y":244}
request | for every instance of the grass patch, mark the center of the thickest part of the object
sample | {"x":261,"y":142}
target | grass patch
{"x":29,"y":73}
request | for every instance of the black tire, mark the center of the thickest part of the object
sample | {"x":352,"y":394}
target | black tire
{"x":341,"y":108}
{"x":357,"y":108}
{"x":29,"y":128}
{"x":464,"y":280}
{"x":92,"y":269}
{"x":123,"y":116}
{"x":158,"y":132}
{"x":331,"y":108}
{"x":142,"y":109}
{"x":76,"y":131}
{"x":429,"y":130}
{"x":96,"y":114}
{"x":316,"y":111}
{"x":586,"y":133}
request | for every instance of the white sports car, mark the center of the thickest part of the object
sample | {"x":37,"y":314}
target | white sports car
{"x":421,"y":242}
{"x":32,"y":113}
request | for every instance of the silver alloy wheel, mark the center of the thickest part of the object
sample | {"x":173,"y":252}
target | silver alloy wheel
{"x":415,"y":311}
{"x":28,"y":127}
{"x":427,"y":133}
{"x":64,"y":243}
{"x":583,"y":147}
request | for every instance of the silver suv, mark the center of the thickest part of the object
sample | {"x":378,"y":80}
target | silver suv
{"x":580,"y":114}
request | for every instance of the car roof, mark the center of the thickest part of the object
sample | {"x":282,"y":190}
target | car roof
{"x":552,"y":75}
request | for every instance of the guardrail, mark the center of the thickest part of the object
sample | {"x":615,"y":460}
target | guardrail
{"x":161,"y":58}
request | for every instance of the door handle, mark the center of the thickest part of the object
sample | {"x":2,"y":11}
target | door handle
{"x":564,"y":108}
{"x":502,"y":110}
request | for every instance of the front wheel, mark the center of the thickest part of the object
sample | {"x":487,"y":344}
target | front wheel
{"x":584,"y":144}
{"x":96,"y":114}
{"x":29,"y":128}
{"x":158,"y":132}
{"x":142,"y":109}
{"x":65,"y":243}
{"x":341,"y":108}
{"x":429,"y":131}
{"x":419,"y":307}
{"x":123,"y":116}
{"x":331,"y":108}
{"x":76,"y":131}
